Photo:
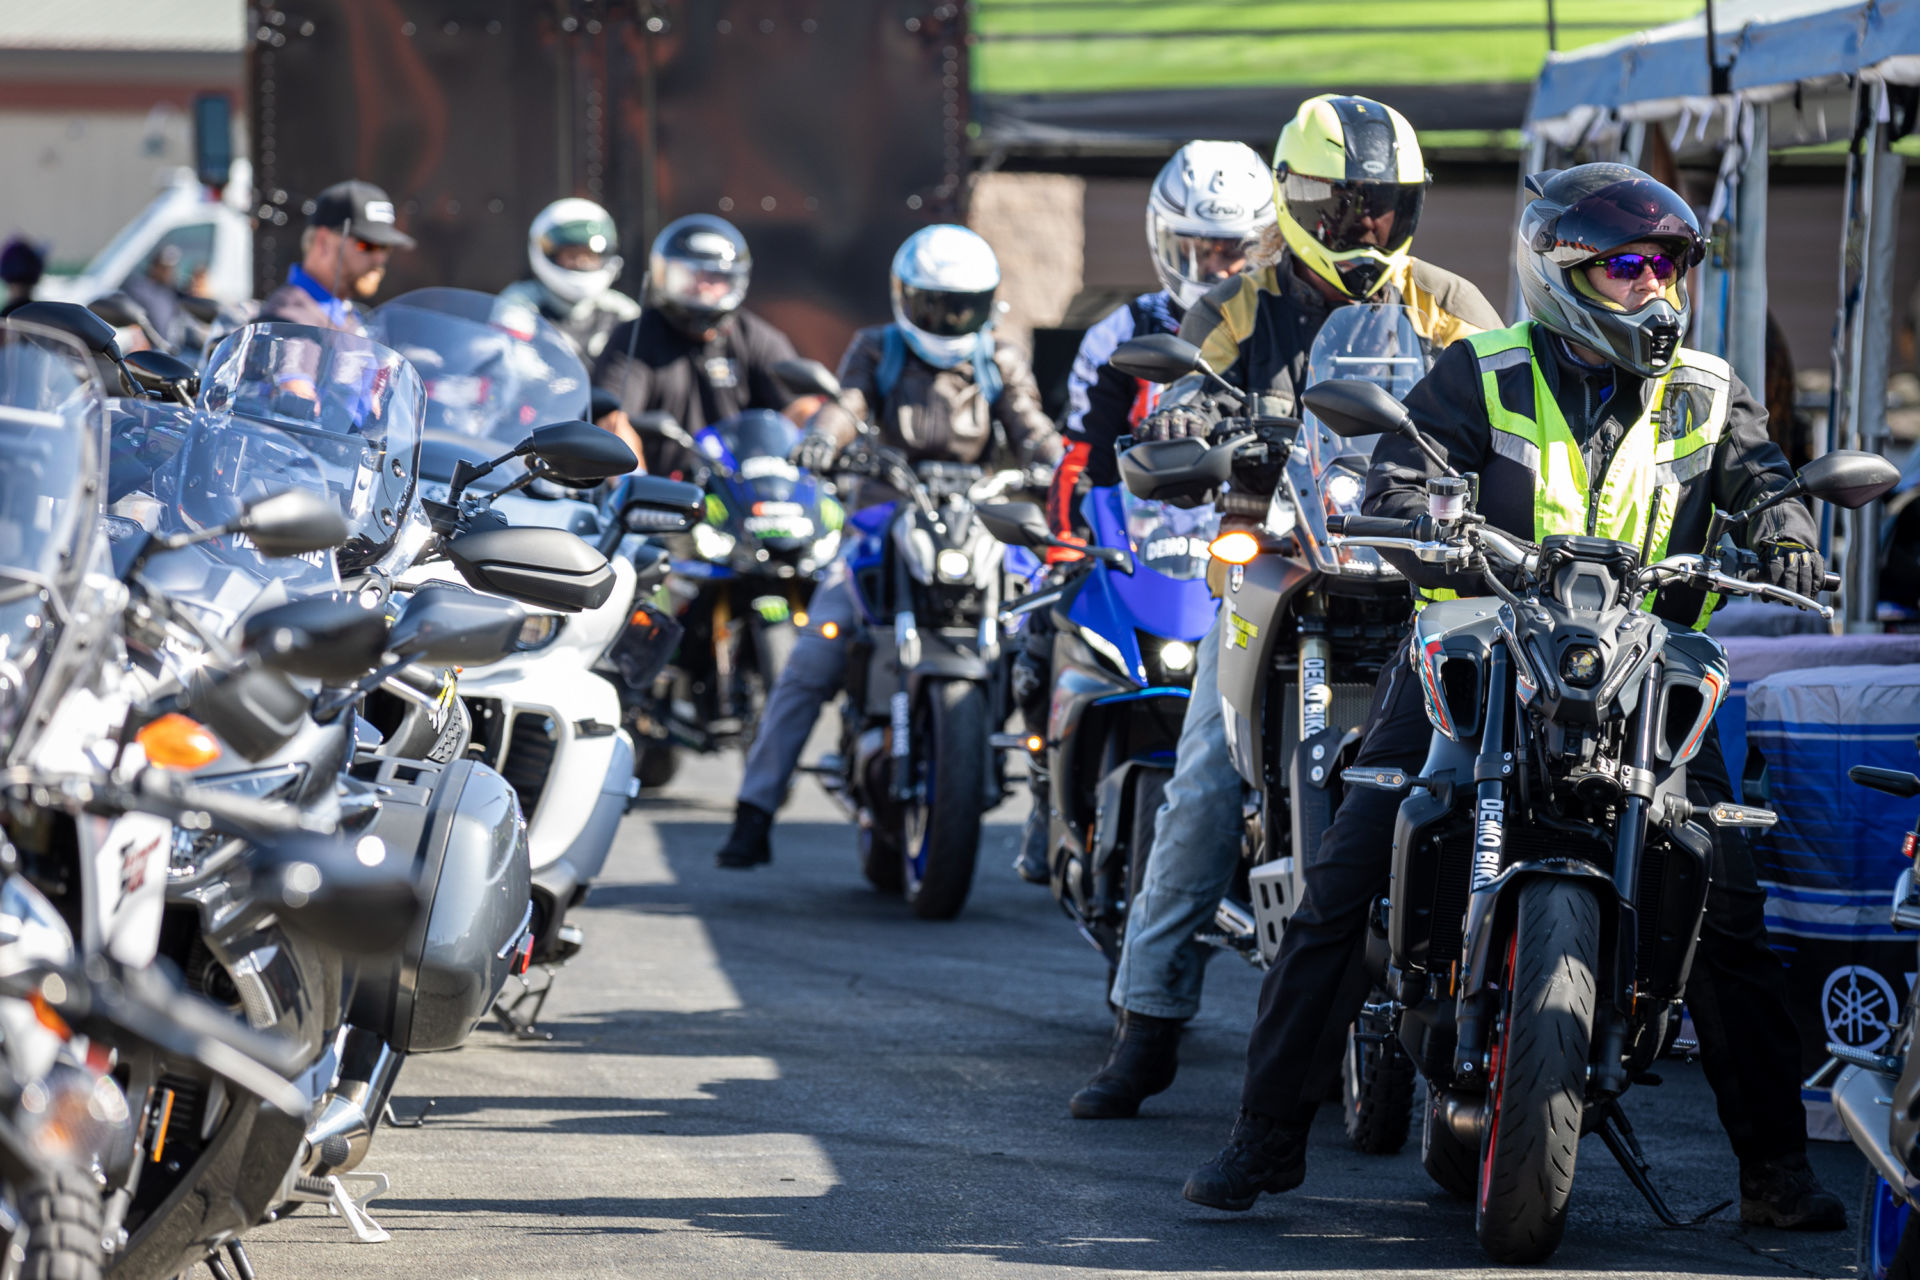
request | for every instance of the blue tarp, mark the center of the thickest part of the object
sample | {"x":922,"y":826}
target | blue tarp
{"x":1769,"y":43}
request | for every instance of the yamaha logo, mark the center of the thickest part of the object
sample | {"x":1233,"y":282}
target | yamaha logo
{"x":1859,"y":1007}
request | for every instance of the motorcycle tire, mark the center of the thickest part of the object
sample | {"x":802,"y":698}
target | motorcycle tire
{"x":1453,"y":1165}
{"x":1889,"y":1247}
{"x":1149,"y":793}
{"x":60,"y":1215}
{"x":773,"y":646}
{"x":656,"y":765}
{"x":1539,"y":1074}
{"x":880,"y":860}
{"x":953,"y":730}
{"x":1377,"y":1093}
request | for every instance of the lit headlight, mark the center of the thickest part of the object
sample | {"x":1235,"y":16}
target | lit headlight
{"x":1580,"y":666}
{"x":537,"y":632}
{"x":1343,"y":492}
{"x":826,"y":547}
{"x":711,"y":543}
{"x":953,"y":565}
{"x":1176,"y":655}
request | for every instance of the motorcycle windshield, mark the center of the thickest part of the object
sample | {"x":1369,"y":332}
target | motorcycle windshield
{"x":51,"y":415}
{"x":353,"y":406}
{"x":490,"y":368}
{"x":1171,"y":542}
{"x":1373,"y":343}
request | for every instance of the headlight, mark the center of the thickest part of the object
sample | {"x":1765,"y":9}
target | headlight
{"x":953,"y":565}
{"x":711,"y":543}
{"x":826,"y":547}
{"x":1580,"y":666}
{"x":1176,"y":655}
{"x":537,"y":632}
{"x":1343,"y":493}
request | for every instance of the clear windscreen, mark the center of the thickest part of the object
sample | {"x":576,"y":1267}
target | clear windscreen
{"x":1371,"y":343}
{"x":490,"y":367}
{"x":1168,"y":540}
{"x":759,"y":442}
{"x":352,"y":406}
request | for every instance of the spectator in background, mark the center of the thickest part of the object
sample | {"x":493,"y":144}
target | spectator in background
{"x":154,"y":290}
{"x":343,"y":257}
{"x":21,"y":266}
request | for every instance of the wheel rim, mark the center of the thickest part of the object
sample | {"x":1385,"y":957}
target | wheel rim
{"x":1888,"y":1220}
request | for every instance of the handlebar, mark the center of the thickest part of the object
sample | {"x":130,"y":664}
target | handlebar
{"x":1830,"y":583}
{"x":1376,"y":527}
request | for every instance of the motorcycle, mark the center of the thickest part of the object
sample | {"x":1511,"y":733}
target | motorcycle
{"x":1549,"y":870}
{"x":739,"y":595}
{"x":1126,"y":620}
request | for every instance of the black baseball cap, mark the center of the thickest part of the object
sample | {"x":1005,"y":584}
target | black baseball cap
{"x":363,"y":209}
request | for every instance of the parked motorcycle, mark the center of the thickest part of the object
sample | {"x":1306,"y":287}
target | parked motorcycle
{"x":1549,"y":870}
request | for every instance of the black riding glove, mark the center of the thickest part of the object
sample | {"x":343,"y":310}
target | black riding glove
{"x":1791,"y":565}
{"x":815,"y":452}
{"x":1177,"y":421}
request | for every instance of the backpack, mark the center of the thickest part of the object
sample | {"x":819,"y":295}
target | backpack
{"x":893,"y":359}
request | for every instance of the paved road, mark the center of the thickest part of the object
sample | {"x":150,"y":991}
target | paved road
{"x":780,"y":1073}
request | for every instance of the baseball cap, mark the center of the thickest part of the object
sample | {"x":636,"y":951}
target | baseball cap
{"x":365,"y":209}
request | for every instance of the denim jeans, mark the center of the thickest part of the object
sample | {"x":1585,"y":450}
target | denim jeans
{"x":1196,"y":847}
{"x":813,"y":674}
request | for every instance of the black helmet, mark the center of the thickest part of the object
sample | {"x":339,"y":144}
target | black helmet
{"x":1587,"y":212}
{"x":697,"y":272}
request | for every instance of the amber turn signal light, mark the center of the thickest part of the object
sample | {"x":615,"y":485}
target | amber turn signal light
{"x":175,"y":742}
{"x":1235,"y":547}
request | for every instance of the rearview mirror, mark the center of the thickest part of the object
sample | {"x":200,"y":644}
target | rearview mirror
{"x":205,"y":310}
{"x":581,"y":453}
{"x":1017,"y":524}
{"x":445,"y":626}
{"x":550,"y":568}
{"x":807,"y":378}
{"x":1158,"y":357}
{"x":352,"y":895}
{"x":655,"y":504}
{"x":1351,"y":407}
{"x":253,"y":710}
{"x":120,"y":311}
{"x":1848,"y":477}
{"x":329,"y":638}
{"x":1184,"y":471}
{"x":293,"y":523}
{"x":93,"y":333}
{"x":158,"y":372}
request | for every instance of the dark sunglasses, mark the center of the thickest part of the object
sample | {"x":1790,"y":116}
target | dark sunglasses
{"x":1628,"y":266}
{"x":368,"y":246}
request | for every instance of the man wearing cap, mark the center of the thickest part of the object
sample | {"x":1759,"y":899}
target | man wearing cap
{"x":343,"y":256}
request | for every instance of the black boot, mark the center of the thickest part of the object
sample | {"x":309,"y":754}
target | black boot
{"x":1260,"y":1155}
{"x":1784,"y":1193}
{"x":1141,"y":1062}
{"x":1031,"y":865}
{"x":747,"y":844}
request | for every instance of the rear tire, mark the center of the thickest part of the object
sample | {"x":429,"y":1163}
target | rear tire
{"x":1539,"y":1076}
{"x":60,"y":1219}
{"x":880,"y":861}
{"x":656,"y":765}
{"x":773,"y":646}
{"x":1378,"y":1094}
{"x":954,"y":753}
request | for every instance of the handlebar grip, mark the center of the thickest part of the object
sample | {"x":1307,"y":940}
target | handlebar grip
{"x":1830,"y":583}
{"x":1372,"y":527}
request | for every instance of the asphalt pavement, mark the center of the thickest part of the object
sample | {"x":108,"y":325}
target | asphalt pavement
{"x":783,"y":1073}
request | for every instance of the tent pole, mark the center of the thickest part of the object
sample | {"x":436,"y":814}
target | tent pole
{"x":1875,"y":337}
{"x":1746,"y":321}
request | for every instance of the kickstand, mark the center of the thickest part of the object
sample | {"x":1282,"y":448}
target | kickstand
{"x":242,"y":1264}
{"x":514,"y":1017}
{"x":341,"y":1203}
{"x":1618,"y":1135}
{"x":392,"y":1120}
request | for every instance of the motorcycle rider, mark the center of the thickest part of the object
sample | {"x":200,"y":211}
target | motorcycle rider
{"x":343,"y":257}
{"x":936,"y":382}
{"x":1209,"y":206}
{"x":1351,"y":182}
{"x":1592,"y":383}
{"x":574,"y":251}
{"x":21,"y":265}
{"x":694,"y":352}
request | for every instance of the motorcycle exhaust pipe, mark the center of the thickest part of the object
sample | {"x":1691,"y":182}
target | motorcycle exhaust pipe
{"x":339,"y":1139}
{"x":1862,"y":1099}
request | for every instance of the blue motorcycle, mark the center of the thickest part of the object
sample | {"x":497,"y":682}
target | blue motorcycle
{"x":1127,"y":623}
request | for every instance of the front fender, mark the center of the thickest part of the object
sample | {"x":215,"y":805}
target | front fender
{"x":1491,"y":911}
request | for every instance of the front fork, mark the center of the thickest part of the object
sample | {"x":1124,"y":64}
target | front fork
{"x":1629,"y":850}
{"x":1492,"y":769}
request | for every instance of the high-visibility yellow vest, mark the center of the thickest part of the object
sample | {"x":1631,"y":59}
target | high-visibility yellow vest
{"x":1660,"y":452}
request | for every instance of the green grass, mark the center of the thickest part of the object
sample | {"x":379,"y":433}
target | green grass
{"x":1120,"y":44}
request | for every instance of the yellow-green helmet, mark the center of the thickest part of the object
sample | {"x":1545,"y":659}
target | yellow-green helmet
{"x":1351,"y":182}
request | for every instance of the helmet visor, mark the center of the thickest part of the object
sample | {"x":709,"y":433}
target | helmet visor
{"x":946,"y":314}
{"x":1201,"y":259}
{"x":701,"y":286}
{"x":1620,"y":214}
{"x":581,"y":245}
{"x":1345,"y":216}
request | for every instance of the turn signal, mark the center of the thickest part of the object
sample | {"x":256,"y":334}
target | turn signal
{"x":175,"y":742}
{"x":799,"y":619}
{"x":1236,"y":547}
{"x":831,"y":630}
{"x":1036,"y":744}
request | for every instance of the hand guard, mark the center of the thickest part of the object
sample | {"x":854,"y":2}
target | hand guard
{"x":1175,"y":422}
{"x":815,"y":452}
{"x":1793,"y":566}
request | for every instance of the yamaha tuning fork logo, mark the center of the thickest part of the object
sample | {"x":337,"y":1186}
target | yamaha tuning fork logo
{"x":1859,"y":1007}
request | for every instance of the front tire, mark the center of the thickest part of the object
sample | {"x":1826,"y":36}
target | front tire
{"x":60,"y":1219}
{"x":1539,"y":1074}
{"x":943,"y":837}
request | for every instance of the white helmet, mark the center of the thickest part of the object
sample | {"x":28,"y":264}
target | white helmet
{"x":583,"y":233}
{"x":1208,"y":192}
{"x":943,"y":282}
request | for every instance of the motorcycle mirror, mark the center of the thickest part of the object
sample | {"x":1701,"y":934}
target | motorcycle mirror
{"x":93,"y":333}
{"x":1847,"y":477}
{"x":253,"y":710}
{"x":292,"y":523}
{"x":445,"y":626}
{"x":807,"y":378}
{"x":122,"y":312}
{"x":1158,"y":357}
{"x":1351,"y":407}
{"x":550,"y":568}
{"x":159,"y":373}
{"x":352,"y":895}
{"x":655,"y":504}
{"x":1185,"y":470}
{"x":327,"y":638}
{"x":205,"y":310}
{"x":1018,"y":524}
{"x":579,"y":452}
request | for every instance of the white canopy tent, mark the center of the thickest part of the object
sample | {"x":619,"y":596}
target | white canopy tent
{"x":1726,"y":87}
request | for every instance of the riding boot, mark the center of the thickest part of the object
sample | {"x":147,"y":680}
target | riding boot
{"x":1031,"y":864}
{"x":1261,"y":1155}
{"x":1140,"y":1063}
{"x":1784,"y":1193}
{"x":747,"y":845}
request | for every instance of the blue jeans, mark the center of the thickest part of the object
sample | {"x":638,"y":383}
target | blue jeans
{"x":1196,"y":847}
{"x":813,"y":674}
